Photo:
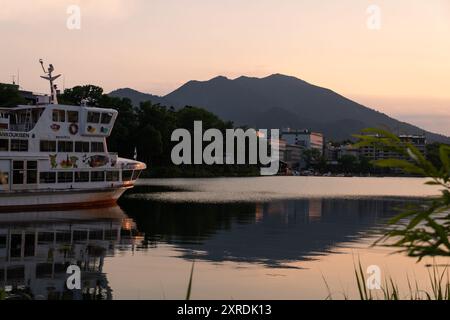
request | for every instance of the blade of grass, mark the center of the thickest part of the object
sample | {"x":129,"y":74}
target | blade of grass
{"x":188,"y":294}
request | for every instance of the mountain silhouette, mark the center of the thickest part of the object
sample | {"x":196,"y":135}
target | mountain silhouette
{"x":137,"y":97}
{"x":280,"y":101}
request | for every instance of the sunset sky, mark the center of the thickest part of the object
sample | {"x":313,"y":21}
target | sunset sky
{"x":154,"y":46}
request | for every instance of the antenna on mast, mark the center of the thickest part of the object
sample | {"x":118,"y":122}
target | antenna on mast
{"x":50,"y":78}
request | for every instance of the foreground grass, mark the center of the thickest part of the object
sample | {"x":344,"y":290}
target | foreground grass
{"x":439,"y":282}
{"x":2,"y":294}
{"x":189,"y":290}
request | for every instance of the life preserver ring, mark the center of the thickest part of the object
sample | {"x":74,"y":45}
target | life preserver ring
{"x":73,"y":128}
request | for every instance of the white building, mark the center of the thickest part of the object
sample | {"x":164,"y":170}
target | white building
{"x":303,"y":138}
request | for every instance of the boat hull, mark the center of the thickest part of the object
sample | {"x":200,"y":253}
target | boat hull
{"x":59,"y":199}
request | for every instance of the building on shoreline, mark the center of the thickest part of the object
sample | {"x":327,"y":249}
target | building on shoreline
{"x":293,"y":144}
{"x":303,"y":138}
{"x":335,"y":153}
{"x":372,"y":153}
{"x":30,"y":97}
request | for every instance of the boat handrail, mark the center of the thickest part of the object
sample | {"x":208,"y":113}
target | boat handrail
{"x":21,"y":127}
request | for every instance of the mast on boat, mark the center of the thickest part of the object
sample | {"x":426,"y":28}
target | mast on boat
{"x":51,"y":79}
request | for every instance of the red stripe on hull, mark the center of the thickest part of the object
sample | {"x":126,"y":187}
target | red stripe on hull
{"x":61,"y":206}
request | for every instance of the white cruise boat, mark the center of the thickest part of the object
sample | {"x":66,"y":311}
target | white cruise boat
{"x":55,"y":156}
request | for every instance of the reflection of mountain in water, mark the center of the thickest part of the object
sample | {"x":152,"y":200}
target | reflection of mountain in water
{"x":272,"y":233}
{"x":37,"y":248}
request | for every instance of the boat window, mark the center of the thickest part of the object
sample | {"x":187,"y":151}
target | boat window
{"x":48,"y":146}
{"x":16,"y":272}
{"x":37,"y":113}
{"x":111,"y":234}
{"x":72,"y":116}
{"x":3,"y":242}
{"x":81,"y":176}
{"x":93,"y":117}
{"x":4,"y":178}
{"x":136,"y":174}
{"x":127,"y":175}
{"x":59,"y":116}
{"x":106,"y":118}
{"x":18,"y":172}
{"x":97,"y":147}
{"x":65,"y":146}
{"x":112,"y":176}
{"x":63,"y":237}
{"x":65,"y":177}
{"x":18,"y":165}
{"x":29,"y":245}
{"x":97,"y":176}
{"x":80,"y":235}
{"x":19,"y":145}
{"x":45,"y":237}
{"x":31,"y":172}
{"x":44,"y":270}
{"x":4,"y":145}
{"x":96,"y":235}
{"x":47,"y":177}
{"x":81,"y":146}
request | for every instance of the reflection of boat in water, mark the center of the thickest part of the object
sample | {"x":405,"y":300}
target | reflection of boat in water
{"x":36,"y":249}
{"x":54,"y":155}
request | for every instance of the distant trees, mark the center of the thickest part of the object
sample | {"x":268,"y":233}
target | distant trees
{"x":155,"y":124}
{"x":93,"y":95}
{"x":121,"y":139}
{"x":10,"y":96}
{"x":365,"y":166}
{"x":147,"y":128}
{"x":347,"y":163}
{"x":311,"y":157}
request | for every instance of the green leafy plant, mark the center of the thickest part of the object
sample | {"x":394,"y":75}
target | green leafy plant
{"x":418,"y":230}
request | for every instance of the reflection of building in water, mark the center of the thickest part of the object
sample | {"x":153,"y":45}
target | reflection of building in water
{"x":315,"y":209}
{"x":311,"y":210}
{"x":287,"y":230}
{"x":34,"y":256}
{"x":259,"y":212}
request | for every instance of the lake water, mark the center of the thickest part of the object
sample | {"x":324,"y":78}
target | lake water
{"x":250,"y":238}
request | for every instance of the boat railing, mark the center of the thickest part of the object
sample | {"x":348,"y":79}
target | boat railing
{"x":21,"y":127}
{"x":113,"y":156}
{"x":4,"y":123}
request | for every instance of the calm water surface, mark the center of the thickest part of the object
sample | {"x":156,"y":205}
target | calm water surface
{"x":251,"y":238}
